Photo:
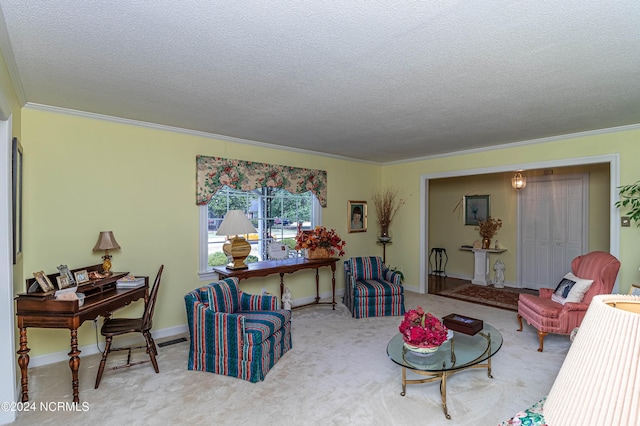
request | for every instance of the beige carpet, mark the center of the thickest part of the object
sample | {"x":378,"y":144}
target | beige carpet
{"x":337,"y":373}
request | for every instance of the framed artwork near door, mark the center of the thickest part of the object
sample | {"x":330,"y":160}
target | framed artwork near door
{"x":476,"y":208}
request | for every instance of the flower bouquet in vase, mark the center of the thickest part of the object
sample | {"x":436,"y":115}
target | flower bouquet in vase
{"x":488,"y":228}
{"x":422,"y":332}
{"x":319,"y":243}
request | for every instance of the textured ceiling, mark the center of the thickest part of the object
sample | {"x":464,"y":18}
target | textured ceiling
{"x":373,"y":80}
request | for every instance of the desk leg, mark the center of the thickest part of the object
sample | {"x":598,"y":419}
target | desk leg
{"x":74,"y":364}
{"x":317,"y":286}
{"x":23,"y":362}
{"x":333,"y":286}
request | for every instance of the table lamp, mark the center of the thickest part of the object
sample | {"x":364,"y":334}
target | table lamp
{"x":106,"y":242}
{"x":599,"y":381}
{"x":237,"y":248}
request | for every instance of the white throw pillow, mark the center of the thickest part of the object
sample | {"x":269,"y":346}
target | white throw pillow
{"x":579,"y":289}
{"x":571,"y":289}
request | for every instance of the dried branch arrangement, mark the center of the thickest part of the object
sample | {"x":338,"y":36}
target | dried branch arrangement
{"x":387,"y":202}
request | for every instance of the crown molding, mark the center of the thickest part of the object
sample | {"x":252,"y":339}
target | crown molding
{"x":85,"y":114}
{"x":155,"y":126}
{"x":522,"y":143}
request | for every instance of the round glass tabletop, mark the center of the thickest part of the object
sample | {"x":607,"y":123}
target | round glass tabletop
{"x":460,"y":352}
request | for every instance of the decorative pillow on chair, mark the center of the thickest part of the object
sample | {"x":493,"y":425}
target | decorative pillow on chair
{"x":224,"y":296}
{"x":571,"y":289}
{"x":367,"y":268}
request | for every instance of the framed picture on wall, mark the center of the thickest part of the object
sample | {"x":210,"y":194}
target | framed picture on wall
{"x":476,"y":208}
{"x":357,"y":216}
{"x":16,"y":198}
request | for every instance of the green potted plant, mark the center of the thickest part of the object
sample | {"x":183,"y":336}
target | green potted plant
{"x":630,"y":199}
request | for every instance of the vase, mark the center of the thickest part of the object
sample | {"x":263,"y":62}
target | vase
{"x":384,"y":235}
{"x":319,"y":253}
{"x":423,"y":350}
{"x":486,"y":243}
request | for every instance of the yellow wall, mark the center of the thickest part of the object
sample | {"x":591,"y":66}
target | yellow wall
{"x":9,"y":94}
{"x":408,"y":176}
{"x":446,"y":224}
{"x":85,"y":175}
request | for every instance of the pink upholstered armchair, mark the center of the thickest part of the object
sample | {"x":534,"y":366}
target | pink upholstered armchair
{"x":548,"y":316}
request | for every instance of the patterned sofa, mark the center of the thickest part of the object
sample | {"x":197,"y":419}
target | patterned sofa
{"x":235,"y":333}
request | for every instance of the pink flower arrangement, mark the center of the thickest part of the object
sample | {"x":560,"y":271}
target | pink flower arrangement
{"x":422,"y":329}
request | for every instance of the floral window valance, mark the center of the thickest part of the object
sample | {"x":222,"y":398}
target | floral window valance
{"x":212,"y":173}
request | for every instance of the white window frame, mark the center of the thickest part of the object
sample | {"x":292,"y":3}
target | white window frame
{"x":204,"y":271}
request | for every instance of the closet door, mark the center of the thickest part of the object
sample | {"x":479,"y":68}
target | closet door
{"x":553,"y":228}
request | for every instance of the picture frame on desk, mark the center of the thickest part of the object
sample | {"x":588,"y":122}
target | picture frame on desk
{"x":43,"y":281}
{"x":64,"y":271}
{"x":63,"y":281}
{"x":81,"y":276}
{"x":634,"y":290}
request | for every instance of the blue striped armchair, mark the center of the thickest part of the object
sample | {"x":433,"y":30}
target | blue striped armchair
{"x":235,"y":333}
{"x":372,"y":290}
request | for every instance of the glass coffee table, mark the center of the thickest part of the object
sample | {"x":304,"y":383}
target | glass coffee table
{"x":456,"y":354}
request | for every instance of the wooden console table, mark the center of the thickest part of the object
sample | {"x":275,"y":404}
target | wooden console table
{"x":42,"y":310}
{"x":286,"y":266}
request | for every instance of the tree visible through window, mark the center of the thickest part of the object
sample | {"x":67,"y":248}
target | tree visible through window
{"x":274,"y":212}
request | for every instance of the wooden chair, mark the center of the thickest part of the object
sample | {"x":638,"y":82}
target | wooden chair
{"x":119,"y":326}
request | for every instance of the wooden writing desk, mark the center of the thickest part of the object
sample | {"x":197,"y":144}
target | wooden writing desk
{"x":42,"y":310}
{"x":286,"y":266}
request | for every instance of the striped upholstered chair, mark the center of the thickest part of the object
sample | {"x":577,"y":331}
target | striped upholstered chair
{"x":372,"y":290}
{"x":235,"y":333}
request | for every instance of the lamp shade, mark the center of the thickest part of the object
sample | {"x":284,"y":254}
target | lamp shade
{"x":518,"y":181}
{"x":106,"y":241}
{"x":236,"y":223}
{"x":599,"y":382}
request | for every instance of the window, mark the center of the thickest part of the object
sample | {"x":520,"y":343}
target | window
{"x":274,"y":212}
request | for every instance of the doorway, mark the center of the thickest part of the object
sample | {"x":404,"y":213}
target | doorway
{"x":553,"y":218}
{"x":613,"y":160}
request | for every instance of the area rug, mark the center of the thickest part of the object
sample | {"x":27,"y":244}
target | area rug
{"x":504,"y":298}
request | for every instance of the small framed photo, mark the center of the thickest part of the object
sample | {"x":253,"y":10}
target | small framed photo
{"x":277,"y":251}
{"x":82,"y":276}
{"x":44,"y":281}
{"x":357,"y":216}
{"x":476,"y":208}
{"x":63,"y":281}
{"x":64,"y":271}
{"x":634,"y":290}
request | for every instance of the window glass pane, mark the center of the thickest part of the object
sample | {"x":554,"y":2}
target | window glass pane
{"x":274,"y":212}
